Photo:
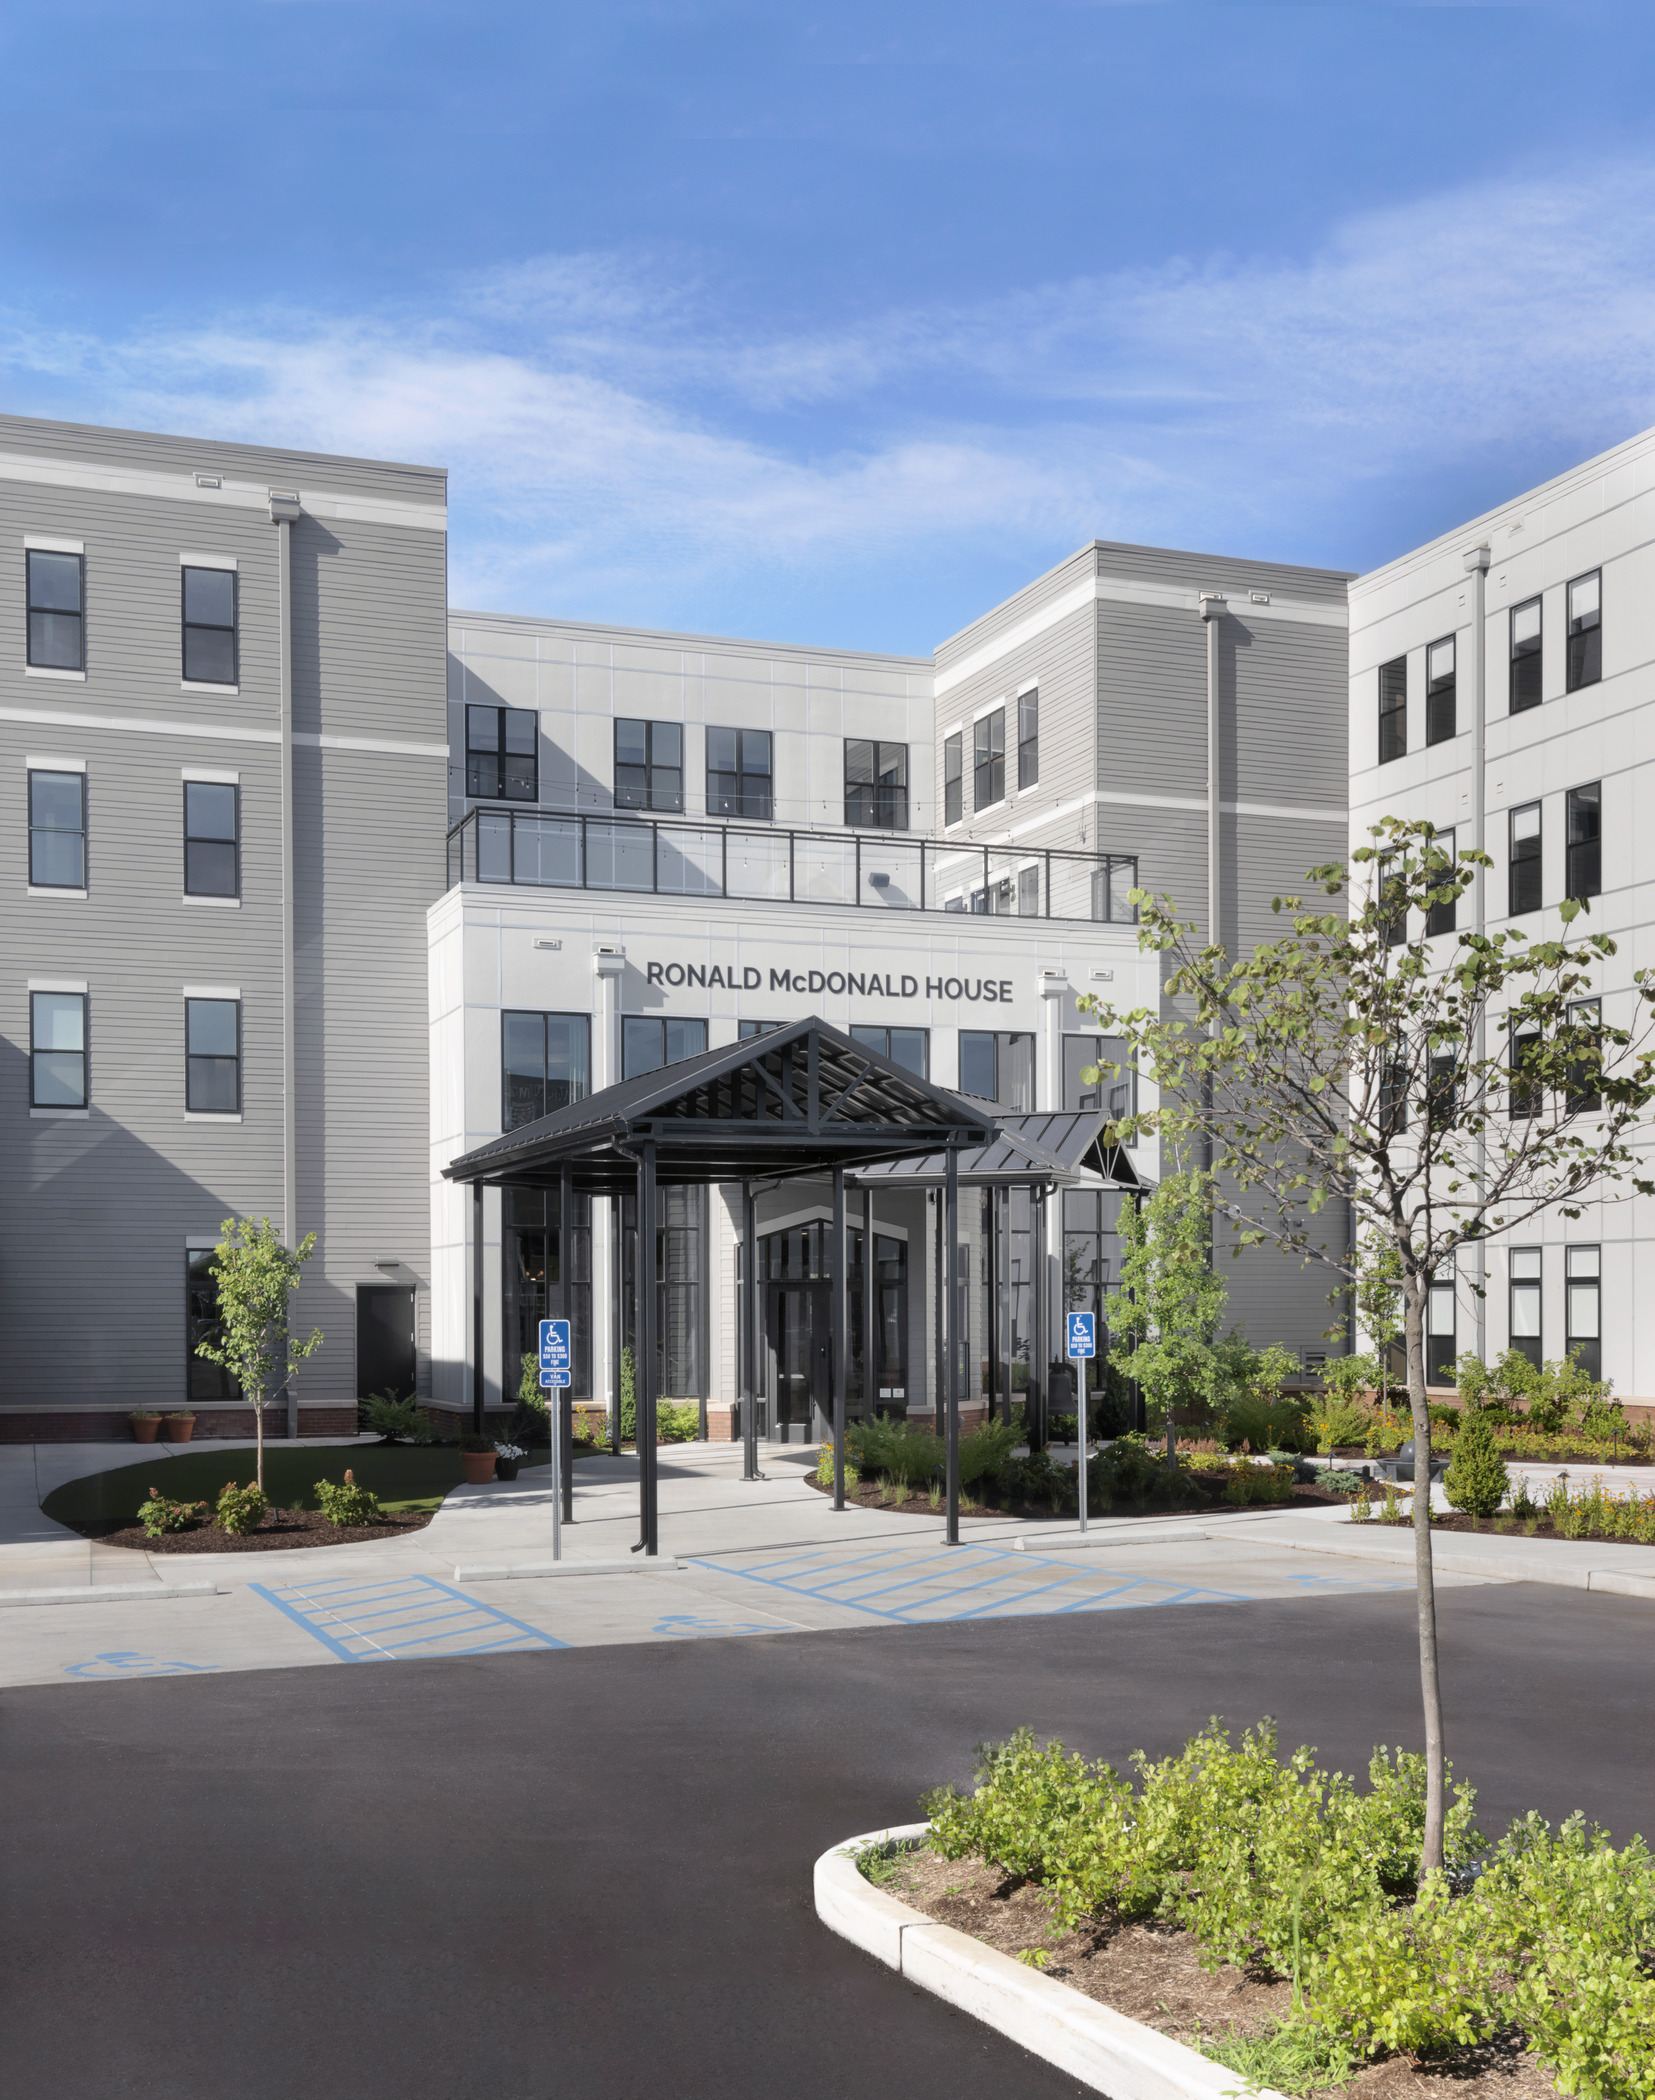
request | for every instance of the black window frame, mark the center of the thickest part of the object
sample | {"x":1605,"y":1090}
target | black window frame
{"x":1526,"y":669}
{"x":630,"y":1023}
{"x":650,"y":794}
{"x":1527,"y":1286}
{"x":1526,"y":1097}
{"x":1028,"y":738}
{"x":1106,"y":887}
{"x":36,"y":1052}
{"x":52,"y":612}
{"x":1442,"y":916}
{"x":187,"y":626}
{"x":1393,"y":925}
{"x":1525,"y":865}
{"x":1393,"y":710}
{"x":953,"y":781}
{"x":1442,"y":693}
{"x":875,"y":804}
{"x":1442,"y":1343}
{"x":864,"y":1032}
{"x":1001,"y":1042}
{"x":36,"y":880}
{"x":1116,"y":1094}
{"x":194,"y":1058}
{"x":1584,"y":635}
{"x":1583,"y":1276}
{"x":988,"y":760}
{"x":203,"y":1379}
{"x":1583,"y":856}
{"x":1586,"y":1100}
{"x":513,"y":1115}
{"x":750,"y":1031}
{"x":508,"y":764}
{"x":233,"y":789}
{"x":746,"y":799}
{"x":1442,"y":1091}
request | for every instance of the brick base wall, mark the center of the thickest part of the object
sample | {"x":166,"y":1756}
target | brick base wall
{"x":114,"y":1425}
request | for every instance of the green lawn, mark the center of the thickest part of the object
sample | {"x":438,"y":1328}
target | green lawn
{"x":403,"y":1476}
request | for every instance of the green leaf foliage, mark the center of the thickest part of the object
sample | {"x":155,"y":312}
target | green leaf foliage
{"x":343,"y":1502}
{"x":241,"y":1509}
{"x":1477,"y":1480}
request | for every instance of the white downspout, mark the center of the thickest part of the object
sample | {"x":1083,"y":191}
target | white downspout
{"x":1476,"y":560}
{"x":284,"y":513}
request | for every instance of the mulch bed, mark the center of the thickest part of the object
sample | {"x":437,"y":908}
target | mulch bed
{"x":872,"y":1495}
{"x":1153,"y":1973}
{"x":280,"y":1528}
{"x":1518,"y":1528}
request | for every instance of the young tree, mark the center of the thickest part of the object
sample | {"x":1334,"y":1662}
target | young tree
{"x":256,"y":1276}
{"x":1443,"y":1090}
{"x":1378,"y":1296}
{"x":1171,"y":1299}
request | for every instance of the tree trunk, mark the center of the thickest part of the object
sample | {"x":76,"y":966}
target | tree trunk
{"x":258,"y":1433}
{"x":1430,"y":1682}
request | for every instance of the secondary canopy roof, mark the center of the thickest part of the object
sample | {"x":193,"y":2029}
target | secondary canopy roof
{"x":1071,"y":1147}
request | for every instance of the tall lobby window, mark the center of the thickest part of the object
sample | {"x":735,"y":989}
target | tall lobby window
{"x":531,"y":1262}
{"x":1439,"y":692}
{"x":1028,"y":737}
{"x":57,"y":625}
{"x":1441,"y":916}
{"x":1585,"y":841}
{"x":545,"y":1063}
{"x":1111,"y":1091}
{"x":908,"y":1047}
{"x":203,"y":1379}
{"x":1527,"y":1094}
{"x":876,"y":785}
{"x":212,"y":1057}
{"x":988,"y":760}
{"x":649,"y":765}
{"x":1441,"y":1314}
{"x":57,"y":1049}
{"x":1113,"y":882}
{"x":1585,"y":656}
{"x":1393,"y":709}
{"x":57,"y":831}
{"x":1584,"y":1096}
{"x":1582,"y":1285}
{"x":953,"y":785}
{"x":212,"y":826}
{"x":1525,"y":1303}
{"x":649,"y":1041}
{"x":738,"y":774}
{"x":1523,"y":871}
{"x":209,"y":626}
{"x":1525,"y":656}
{"x":502,"y":754}
{"x":998,"y":1067}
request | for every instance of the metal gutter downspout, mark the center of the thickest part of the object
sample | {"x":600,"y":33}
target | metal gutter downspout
{"x":1212,"y":615}
{"x":1476,"y":561}
{"x":284,"y":514}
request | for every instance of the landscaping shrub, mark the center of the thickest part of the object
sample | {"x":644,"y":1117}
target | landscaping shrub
{"x":1477,"y":1480}
{"x":629,"y":1396}
{"x":986,"y":1449}
{"x":531,"y":1419}
{"x":471,"y":1441}
{"x":824,"y":1465}
{"x":677,"y":1421}
{"x":893,"y":1448}
{"x":1250,"y":1484}
{"x":346,"y":1503}
{"x":395,"y":1421}
{"x":241,"y":1509}
{"x":159,"y":1515}
{"x":1037,"y":1479}
{"x":1260,"y":1422}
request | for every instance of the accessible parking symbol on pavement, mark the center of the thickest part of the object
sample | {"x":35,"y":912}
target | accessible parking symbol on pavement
{"x":400,"y":1618}
{"x":129,"y":1662}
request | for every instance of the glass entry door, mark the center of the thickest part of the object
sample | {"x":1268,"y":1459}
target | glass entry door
{"x":800,"y":1393}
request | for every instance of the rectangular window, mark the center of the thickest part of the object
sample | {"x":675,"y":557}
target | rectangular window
{"x":1585,"y":841}
{"x":1028,"y":737}
{"x":57,"y":1050}
{"x":57,"y":831}
{"x":988,"y":760}
{"x":1393,"y":709}
{"x":1527,"y":1095}
{"x":738,"y":773}
{"x":1582,"y":1284}
{"x":532,"y":1256}
{"x":212,"y":839}
{"x":1439,"y":692}
{"x":649,"y":765}
{"x":203,"y":1379}
{"x":1442,"y":914}
{"x":1524,"y":869}
{"x":1440,"y":1320}
{"x":545,"y":1063}
{"x":1111,"y":1091}
{"x":908,"y":1047}
{"x":876,"y":785}
{"x":209,"y":626}
{"x":1442,"y":1093}
{"x":57,"y":624}
{"x":998,"y":1067}
{"x":1393,"y":1094}
{"x":649,"y":1041}
{"x":953,"y":759}
{"x":1585,"y":631}
{"x":502,"y":754}
{"x":1112,"y":886}
{"x":212,"y":1057}
{"x":1525,"y":657}
{"x":1525,"y":1303}
{"x":749,"y":1029}
{"x":1585,"y":1091}
{"x":1393,"y":920}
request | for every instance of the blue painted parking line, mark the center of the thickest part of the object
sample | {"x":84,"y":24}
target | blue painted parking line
{"x":129,"y":1662}
{"x":400,"y":1618}
{"x":687,"y":1626}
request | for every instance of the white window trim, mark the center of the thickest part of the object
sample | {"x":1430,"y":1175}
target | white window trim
{"x":55,"y":765}
{"x":41,"y":671}
{"x":211,"y":991}
{"x":58,"y":984}
{"x":993,"y":707}
{"x":59,"y":1115}
{"x":1029,"y":685}
{"x":42,"y":545}
{"x":200,"y":1115}
{"x":31,"y":891}
{"x":223,"y":903}
{"x":200,"y":1242}
{"x":211,"y":776}
{"x":200,"y":685}
{"x":207,"y":561}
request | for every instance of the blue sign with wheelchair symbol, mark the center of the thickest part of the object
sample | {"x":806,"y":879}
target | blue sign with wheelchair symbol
{"x":1083,"y":1334}
{"x":554,"y":1353}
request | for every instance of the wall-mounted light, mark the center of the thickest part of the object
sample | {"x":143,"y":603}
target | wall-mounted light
{"x":879,"y":882}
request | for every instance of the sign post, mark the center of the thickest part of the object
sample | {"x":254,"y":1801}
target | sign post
{"x":556,"y":1375}
{"x":1083,"y":1343}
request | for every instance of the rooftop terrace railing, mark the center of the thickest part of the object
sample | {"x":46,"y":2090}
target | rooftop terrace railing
{"x":878,"y":870}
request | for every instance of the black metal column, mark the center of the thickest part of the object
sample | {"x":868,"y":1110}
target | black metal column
{"x":565,"y":1396}
{"x":939,"y":1386}
{"x":477,"y":1307}
{"x":617,"y":1328}
{"x":838,"y":1334}
{"x":749,"y":1333}
{"x":951,"y":1322}
{"x":872,"y":1327}
{"x":1041,"y":1350}
{"x":643,"y":1376}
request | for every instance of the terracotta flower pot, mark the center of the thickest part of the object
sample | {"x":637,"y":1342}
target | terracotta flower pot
{"x":479,"y":1467}
{"x":146,"y":1432}
{"x":180,"y":1428}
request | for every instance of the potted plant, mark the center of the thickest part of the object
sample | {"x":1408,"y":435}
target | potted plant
{"x":180,"y":1426}
{"x":507,"y":1459}
{"x":146,"y":1424}
{"x":477,"y":1455}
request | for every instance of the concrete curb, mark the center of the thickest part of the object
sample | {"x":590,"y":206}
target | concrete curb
{"x":1506,"y":1560}
{"x":109,"y":1593}
{"x":1102,"y":2048}
{"x":525,"y":1570}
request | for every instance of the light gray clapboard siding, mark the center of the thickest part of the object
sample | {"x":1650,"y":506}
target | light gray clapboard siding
{"x":1077,"y":568}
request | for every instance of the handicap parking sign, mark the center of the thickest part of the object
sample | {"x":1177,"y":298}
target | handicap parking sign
{"x":554,"y":1353}
{"x":1083,"y":1334}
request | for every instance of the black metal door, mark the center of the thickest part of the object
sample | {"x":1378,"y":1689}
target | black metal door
{"x":384,"y":1340}
{"x":800,"y":1391}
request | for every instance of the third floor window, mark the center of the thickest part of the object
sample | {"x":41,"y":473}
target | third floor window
{"x":57,"y":831}
{"x":1585,"y":841}
{"x":1028,"y":737}
{"x":953,"y":762}
{"x":1524,"y":864}
{"x":649,"y":765}
{"x":212,"y":811}
{"x":738,"y":773}
{"x":57,"y":636}
{"x":209,"y":616}
{"x":988,"y":760}
{"x":876,"y":784}
{"x":1525,"y":657}
{"x":1439,"y":692}
{"x":502,"y":757}
{"x":1393,"y":709}
{"x":1585,"y":631}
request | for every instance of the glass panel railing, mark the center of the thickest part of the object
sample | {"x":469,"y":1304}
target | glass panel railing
{"x":689,"y":863}
{"x":893,"y":874}
{"x":824,"y":869}
{"x":493,"y":845}
{"x":546,"y":851}
{"x":759,"y":864}
{"x":619,"y":856}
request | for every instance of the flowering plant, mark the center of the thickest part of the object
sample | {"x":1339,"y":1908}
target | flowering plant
{"x":510,"y":1451}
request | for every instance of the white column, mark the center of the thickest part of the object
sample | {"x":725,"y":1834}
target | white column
{"x":1054,"y":989}
{"x":608,"y":962}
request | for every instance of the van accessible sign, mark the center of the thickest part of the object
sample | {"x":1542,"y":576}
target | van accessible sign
{"x":737,"y":977}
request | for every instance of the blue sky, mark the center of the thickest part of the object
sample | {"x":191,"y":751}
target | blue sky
{"x":838,"y":325}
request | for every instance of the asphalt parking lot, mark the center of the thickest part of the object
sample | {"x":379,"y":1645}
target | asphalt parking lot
{"x":587,"y":1871}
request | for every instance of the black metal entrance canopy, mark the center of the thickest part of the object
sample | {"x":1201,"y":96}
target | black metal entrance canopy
{"x":803,"y":1099}
{"x":1074,"y":1146}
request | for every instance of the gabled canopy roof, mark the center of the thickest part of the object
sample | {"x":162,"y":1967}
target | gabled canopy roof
{"x":803,"y":1099}
{"x":1067,"y":1148}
